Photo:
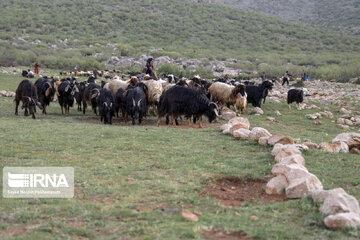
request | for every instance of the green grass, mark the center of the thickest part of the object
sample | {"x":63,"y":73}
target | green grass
{"x":124,"y":174}
{"x":341,"y":16}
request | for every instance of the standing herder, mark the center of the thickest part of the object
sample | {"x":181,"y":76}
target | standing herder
{"x":286,"y":78}
{"x":149,"y":68}
{"x":36,"y":68}
{"x":263,"y":76}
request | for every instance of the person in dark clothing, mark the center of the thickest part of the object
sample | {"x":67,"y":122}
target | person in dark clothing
{"x":263,"y":76}
{"x":95,"y":72}
{"x":286,"y":77}
{"x":149,"y":68}
{"x":303,"y":74}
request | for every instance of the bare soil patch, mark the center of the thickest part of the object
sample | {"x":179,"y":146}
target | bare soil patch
{"x":231,"y":191}
{"x":216,"y":234}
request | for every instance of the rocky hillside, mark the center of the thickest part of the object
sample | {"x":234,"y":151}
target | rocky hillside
{"x":341,"y":15}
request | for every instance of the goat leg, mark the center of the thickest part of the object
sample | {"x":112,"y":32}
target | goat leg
{"x":200,"y":121}
{"x":158,"y":121}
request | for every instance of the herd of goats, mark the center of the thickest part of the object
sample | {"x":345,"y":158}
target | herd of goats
{"x":169,"y":97}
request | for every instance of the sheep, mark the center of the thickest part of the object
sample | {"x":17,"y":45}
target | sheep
{"x":229,"y":95}
{"x":116,"y":84}
{"x":154,"y":92}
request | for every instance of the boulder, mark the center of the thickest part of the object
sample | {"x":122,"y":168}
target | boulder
{"x":348,"y":122}
{"x":321,"y":195}
{"x":225,"y":126}
{"x":355,"y":151}
{"x":271,"y":119}
{"x":277,"y":113}
{"x":295,"y":148}
{"x":258,"y":132}
{"x":292,"y":159}
{"x":274,"y":138}
{"x":3,"y":93}
{"x":345,"y":137}
{"x":313,"y":116}
{"x":257,"y":111}
{"x":343,"y":220}
{"x":263,"y":141}
{"x":227,"y":115}
{"x":276,"y":185}
{"x":334,"y":147}
{"x":285,"y":140}
{"x":303,"y":186}
{"x":242,"y":134}
{"x":311,"y":145}
{"x":339,"y":202}
{"x":238,"y":126}
{"x":354,"y":142}
{"x":291,"y":171}
{"x":240,"y":120}
{"x":345,"y":111}
{"x":346,"y":127}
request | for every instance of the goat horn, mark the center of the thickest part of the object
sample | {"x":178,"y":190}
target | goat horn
{"x":134,"y":102}
{"x":139,"y":102}
{"x":105,"y":104}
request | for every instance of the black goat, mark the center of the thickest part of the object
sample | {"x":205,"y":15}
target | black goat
{"x":79,"y":95}
{"x":136,"y":102}
{"x":46,"y":91}
{"x":26,"y":92}
{"x":67,"y":90}
{"x":107,"y":105}
{"x":295,"y":95}
{"x":91,"y":93}
{"x":186,"y":101}
{"x":120,"y":102}
{"x":256,"y":93}
{"x":24,"y":73}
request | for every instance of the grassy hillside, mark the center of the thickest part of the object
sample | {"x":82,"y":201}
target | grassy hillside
{"x":342,"y":16}
{"x":64,"y":33}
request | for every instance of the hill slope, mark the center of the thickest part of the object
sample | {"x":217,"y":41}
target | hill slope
{"x":342,"y":15}
{"x":63,"y":33}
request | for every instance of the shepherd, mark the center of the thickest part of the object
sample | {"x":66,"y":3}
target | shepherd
{"x":36,"y":70}
{"x":149,"y":68}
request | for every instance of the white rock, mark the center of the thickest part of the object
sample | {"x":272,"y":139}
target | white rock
{"x":289,"y":147}
{"x":257,"y":110}
{"x":291,"y":171}
{"x":227,"y":115}
{"x":239,"y":120}
{"x":293,"y":159}
{"x":348,"y":122}
{"x":345,"y":137}
{"x":277,"y":113}
{"x":339,"y":203}
{"x":335,"y":147}
{"x":303,"y":186}
{"x":258,"y":132}
{"x":341,"y":121}
{"x":321,"y":195}
{"x":242,"y":134}
{"x":276,"y":185}
{"x":263,"y":141}
{"x":343,"y":220}
{"x":225,"y":126}
{"x":345,"y":111}
{"x":3,"y":93}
